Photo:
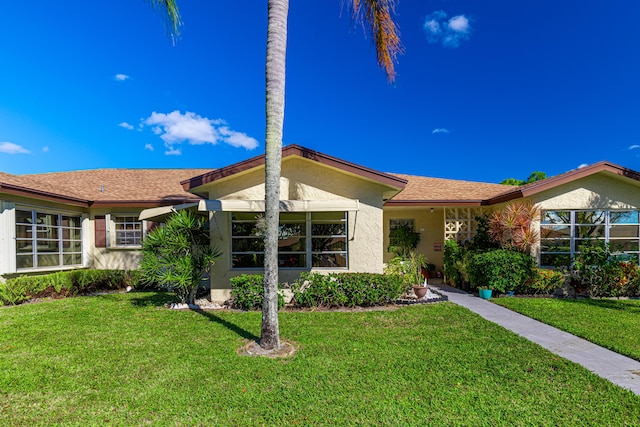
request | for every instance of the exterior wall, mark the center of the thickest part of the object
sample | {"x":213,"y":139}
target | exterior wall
{"x":302,"y":180}
{"x":98,"y":258}
{"x":112,"y":257}
{"x":593,"y":192}
{"x":8,"y":204}
{"x":429,"y":225}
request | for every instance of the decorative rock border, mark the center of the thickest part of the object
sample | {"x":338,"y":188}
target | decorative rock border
{"x":410,"y":301}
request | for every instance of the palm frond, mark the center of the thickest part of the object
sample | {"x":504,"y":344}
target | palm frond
{"x":377,"y":17}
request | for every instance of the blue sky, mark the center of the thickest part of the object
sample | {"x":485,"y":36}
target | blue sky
{"x":485,"y":90}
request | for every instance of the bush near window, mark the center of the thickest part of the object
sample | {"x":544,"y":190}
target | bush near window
{"x":501,"y":269}
{"x":346,"y":289}
{"x":247,"y":292}
{"x":65,"y":284}
{"x":543,"y":282}
{"x":602,"y":274}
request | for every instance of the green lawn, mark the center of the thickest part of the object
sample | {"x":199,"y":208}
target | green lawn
{"x":614,"y":324}
{"x":122,"y":360}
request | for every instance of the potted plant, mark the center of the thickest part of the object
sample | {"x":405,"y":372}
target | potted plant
{"x":485,"y":292}
{"x":416,"y":264}
{"x":403,"y":240}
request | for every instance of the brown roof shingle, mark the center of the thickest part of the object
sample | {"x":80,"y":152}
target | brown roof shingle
{"x":109,"y":186}
{"x":440,"y":190}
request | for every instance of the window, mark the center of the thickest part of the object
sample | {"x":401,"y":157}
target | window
{"x":395,"y":223}
{"x":563,"y":233}
{"x":128,"y":230}
{"x":306,"y":239}
{"x":47,"y":239}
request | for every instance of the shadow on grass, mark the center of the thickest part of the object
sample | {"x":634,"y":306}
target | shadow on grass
{"x":154,"y":299}
{"x":159,"y":299}
{"x":632,"y":306}
{"x":232,"y":327}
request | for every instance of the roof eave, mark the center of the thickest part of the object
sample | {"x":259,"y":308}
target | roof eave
{"x":389,"y":180}
{"x":45,"y":195}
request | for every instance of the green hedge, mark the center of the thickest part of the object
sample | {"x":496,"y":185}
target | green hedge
{"x":346,"y":289}
{"x":500,"y":269}
{"x":64,"y":284}
{"x":247,"y":292}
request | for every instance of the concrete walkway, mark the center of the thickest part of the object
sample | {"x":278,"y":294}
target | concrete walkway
{"x":614,"y":367}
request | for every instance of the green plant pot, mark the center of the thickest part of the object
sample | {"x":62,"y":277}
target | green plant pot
{"x":485,"y":293}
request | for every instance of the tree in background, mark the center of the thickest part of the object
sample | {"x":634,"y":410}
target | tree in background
{"x":177,"y":255}
{"x":535,"y":176}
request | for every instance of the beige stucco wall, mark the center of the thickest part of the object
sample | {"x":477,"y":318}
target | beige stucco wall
{"x":303,"y":180}
{"x":429,"y":225}
{"x":592,"y":192}
{"x":112,"y":258}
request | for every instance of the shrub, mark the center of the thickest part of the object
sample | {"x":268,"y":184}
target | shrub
{"x":346,"y":289}
{"x":178,"y":255}
{"x":500,"y":269}
{"x":247,"y":292}
{"x":453,"y":254}
{"x":63,"y":284}
{"x":409,"y":269}
{"x":543,"y":281}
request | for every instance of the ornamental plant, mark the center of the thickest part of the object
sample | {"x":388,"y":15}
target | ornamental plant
{"x":178,"y":255}
{"x":501,"y":270}
{"x":512,"y":227}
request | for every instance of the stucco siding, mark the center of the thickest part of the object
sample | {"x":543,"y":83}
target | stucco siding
{"x":303,"y":180}
{"x":429,"y":225}
{"x":592,"y":192}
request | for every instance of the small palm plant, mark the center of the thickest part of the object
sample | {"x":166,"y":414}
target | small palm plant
{"x":512,"y":227}
{"x":177,"y":256}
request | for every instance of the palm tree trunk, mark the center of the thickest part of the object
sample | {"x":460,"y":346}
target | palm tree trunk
{"x":275,"y":76}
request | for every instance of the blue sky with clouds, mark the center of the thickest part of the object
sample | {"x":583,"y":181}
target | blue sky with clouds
{"x":485,"y":90}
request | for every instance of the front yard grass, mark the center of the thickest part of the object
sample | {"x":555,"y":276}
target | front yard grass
{"x":122,"y":360}
{"x":613,"y":324}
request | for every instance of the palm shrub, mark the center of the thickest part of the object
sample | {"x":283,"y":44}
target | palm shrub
{"x":177,"y":256}
{"x":512,"y":227}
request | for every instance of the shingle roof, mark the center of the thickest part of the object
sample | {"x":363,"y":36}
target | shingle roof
{"x":142,"y":186}
{"x":440,"y":190}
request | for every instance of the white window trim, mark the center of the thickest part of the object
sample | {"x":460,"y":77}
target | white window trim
{"x":84,"y":234}
{"x":112,"y":232}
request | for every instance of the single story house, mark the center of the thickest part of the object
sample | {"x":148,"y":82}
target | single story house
{"x":335,"y":215}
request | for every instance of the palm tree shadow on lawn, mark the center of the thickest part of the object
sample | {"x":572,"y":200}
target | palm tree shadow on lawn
{"x":160,"y":299}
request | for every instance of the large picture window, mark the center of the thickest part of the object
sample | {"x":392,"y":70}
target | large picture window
{"x":47,"y":239}
{"x":306,"y":239}
{"x":563,"y":233}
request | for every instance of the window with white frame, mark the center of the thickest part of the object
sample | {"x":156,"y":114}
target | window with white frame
{"x":306,"y":239}
{"x":128,"y":230}
{"x":45,"y":239}
{"x":564,"y":232}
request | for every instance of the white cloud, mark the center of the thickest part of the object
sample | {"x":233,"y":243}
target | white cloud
{"x":45,"y":149}
{"x":633,"y":147}
{"x":121,"y":77}
{"x":583,"y":165}
{"x":172,"y":151}
{"x":149,"y":147}
{"x":459,"y":24}
{"x":448,"y":33}
{"x":11,"y":148}
{"x":440,"y":130}
{"x":125,"y":125}
{"x":176,"y":128}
